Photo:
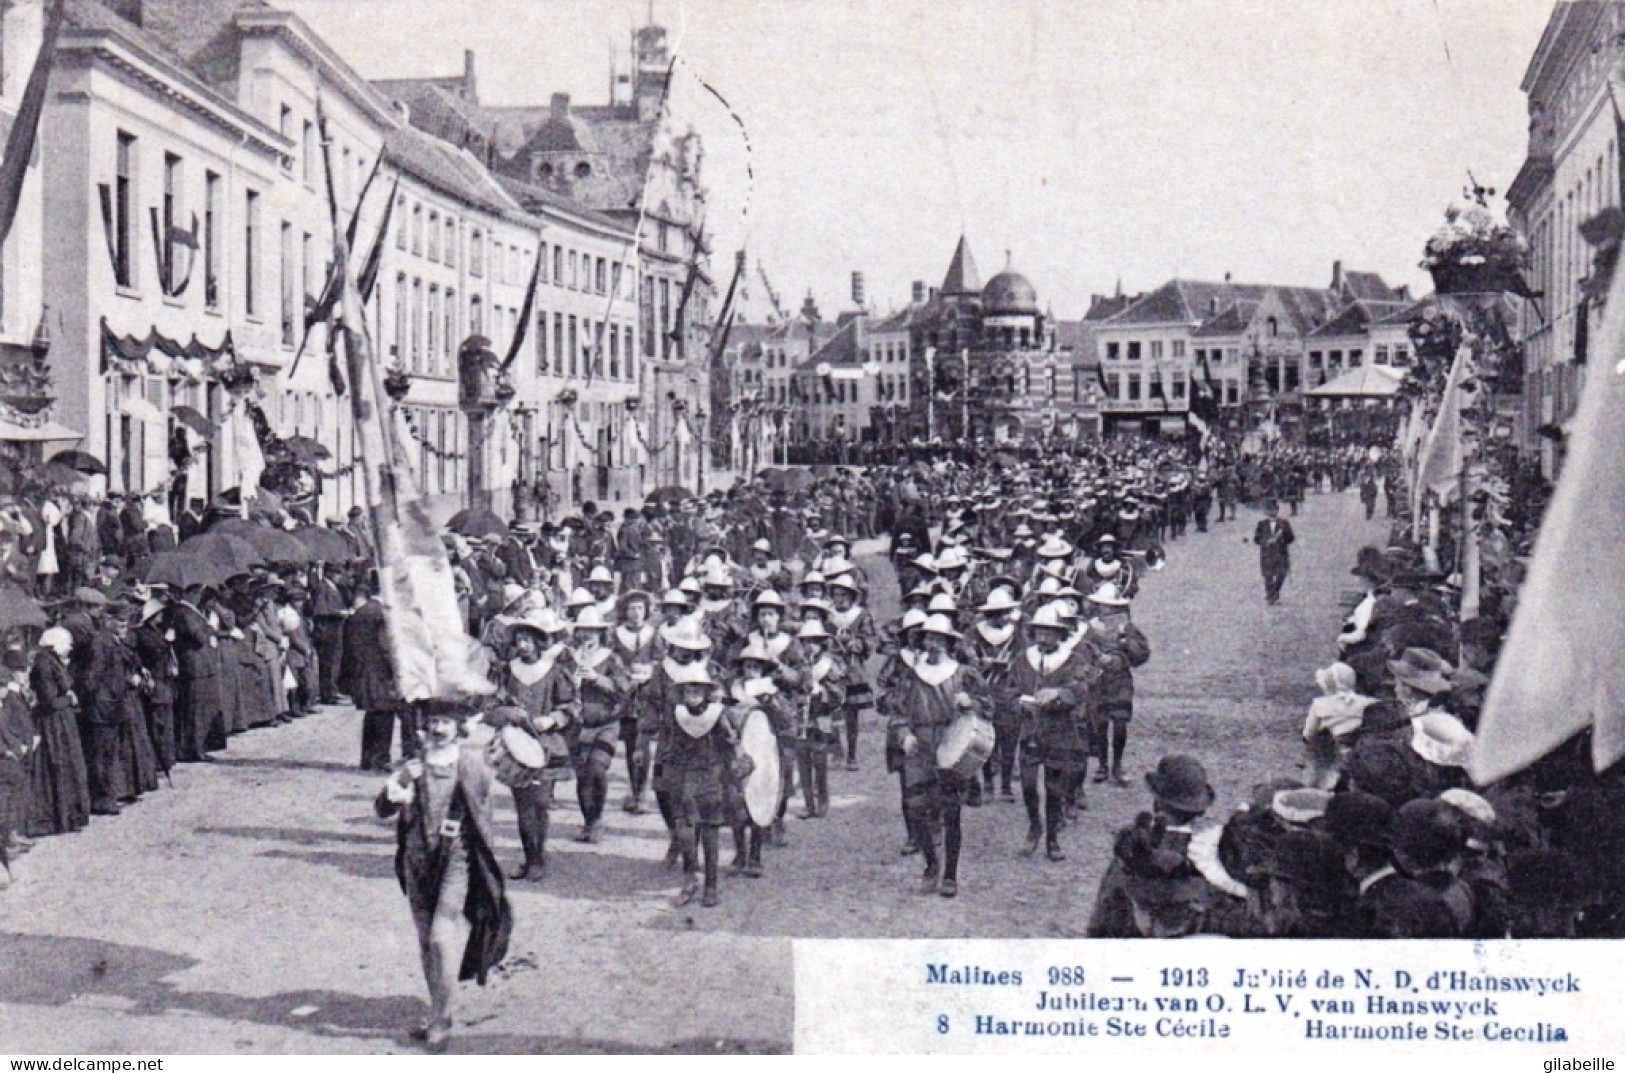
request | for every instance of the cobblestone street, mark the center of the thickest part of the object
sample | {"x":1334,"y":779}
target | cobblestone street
{"x":254,"y":907}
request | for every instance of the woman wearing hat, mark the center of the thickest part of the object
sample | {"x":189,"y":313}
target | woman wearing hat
{"x":927,"y":701}
{"x":636,"y":642}
{"x":539,"y":685}
{"x":59,"y":782}
{"x":446,"y":863}
{"x":1152,"y":889}
{"x":602,"y":683}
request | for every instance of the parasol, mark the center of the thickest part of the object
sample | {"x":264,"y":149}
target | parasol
{"x":477,"y":522}
{"x":206,"y":559}
{"x":670,"y":493}
{"x":326,"y":545}
{"x":54,"y":474}
{"x":276,"y":545}
{"x":304,"y":449}
{"x":80,"y":461}
{"x":192,"y":420}
{"x":17,"y":608}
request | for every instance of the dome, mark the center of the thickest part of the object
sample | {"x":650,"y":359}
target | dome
{"x":1009,"y":292}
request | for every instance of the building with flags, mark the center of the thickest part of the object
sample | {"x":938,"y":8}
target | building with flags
{"x":1566,"y":200}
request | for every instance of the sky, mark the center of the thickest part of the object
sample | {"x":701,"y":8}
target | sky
{"x":1099,"y":142}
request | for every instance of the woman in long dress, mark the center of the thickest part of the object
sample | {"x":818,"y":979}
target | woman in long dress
{"x":60,"y":784}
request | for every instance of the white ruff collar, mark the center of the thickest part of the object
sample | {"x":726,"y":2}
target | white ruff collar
{"x":531,"y":673}
{"x":1203,"y":852}
{"x":632,"y":640}
{"x":591,"y":660}
{"x":1047,"y":664}
{"x":750,"y":689}
{"x":775,"y":644}
{"x":996,"y":635}
{"x":936,"y":673}
{"x":845,"y":619}
{"x":698,"y":724}
{"x":762,"y":573}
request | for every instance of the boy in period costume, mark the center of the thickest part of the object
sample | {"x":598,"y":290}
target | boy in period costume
{"x":1051,"y":681}
{"x":602,"y":683}
{"x":539,"y":684}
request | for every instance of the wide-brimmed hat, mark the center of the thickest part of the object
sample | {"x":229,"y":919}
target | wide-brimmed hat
{"x":1470,"y":804}
{"x":1000,"y":599}
{"x":942,"y":604}
{"x":601,"y":573}
{"x":1054,"y":547}
{"x":952,"y":558}
{"x":591,"y":618}
{"x":845,"y":581}
{"x":926,"y":561}
{"x":540,"y":619}
{"x":1302,"y":805}
{"x":697,"y":673}
{"x":631,"y":595}
{"x":819,"y":604}
{"x":581,"y":598}
{"x":1048,"y":617}
{"x":836,"y":567}
{"x":913,"y":619}
{"x":811,"y":577}
{"x":762,"y":545}
{"x":756,"y":649}
{"x":674,"y":597}
{"x":812,"y":630}
{"x":1440,"y":738}
{"x":768,"y":598}
{"x":1422,"y":669}
{"x":941,"y":626}
{"x":1108,"y":595}
{"x":1180,"y":782}
{"x":686,"y":634}
{"x":1335,"y":678}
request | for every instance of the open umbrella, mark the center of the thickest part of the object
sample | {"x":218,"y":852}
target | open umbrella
{"x":206,"y":559}
{"x":305,"y":449}
{"x":192,"y":420}
{"x":56,"y":475}
{"x":477,"y":522}
{"x":276,"y":545}
{"x":326,"y":545}
{"x":17,"y":608}
{"x":670,"y":493}
{"x":81,"y":461}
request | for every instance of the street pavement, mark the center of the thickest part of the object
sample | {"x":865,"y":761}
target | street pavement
{"x":254,"y":907}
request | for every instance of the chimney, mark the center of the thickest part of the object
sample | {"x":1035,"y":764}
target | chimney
{"x":471,"y":87}
{"x":857,"y":290}
{"x":1337,"y":276}
{"x":1213,"y":305}
{"x":560,"y":106}
{"x":918,"y":296}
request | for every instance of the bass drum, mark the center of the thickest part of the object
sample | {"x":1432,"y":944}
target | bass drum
{"x":761,"y":790}
{"x":965,"y":746}
{"x":516,"y":758}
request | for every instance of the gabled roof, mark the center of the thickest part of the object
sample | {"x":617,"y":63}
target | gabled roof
{"x":962,"y":277}
{"x":537,"y":199}
{"x":1104,"y":307}
{"x":1401,"y":313}
{"x":447,"y":169}
{"x":1183,"y":301}
{"x":1356,"y":318}
{"x":438,"y":110}
{"x":837,"y":348}
{"x":1229,"y":322}
{"x":1369,"y":287}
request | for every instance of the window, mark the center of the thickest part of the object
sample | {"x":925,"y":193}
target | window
{"x":646,"y":314}
{"x":1134,"y":351}
{"x":558,"y":344}
{"x":1156,"y":350}
{"x":575,"y":271}
{"x":1354,"y":358}
{"x":1114,"y":385}
{"x":124,"y":227}
{"x":1334,"y":359}
{"x":448,"y":339}
{"x":285,"y":128}
{"x":662,"y":238}
{"x":451,"y":243}
{"x":1113,"y":351}
{"x":400,"y":223}
{"x":476,"y":253}
{"x":1133,"y":386}
{"x":417,"y":325}
{"x":1232,"y":392}
{"x":307,"y":155}
{"x":399,"y":348}
{"x":600,"y":277}
{"x":251,"y":252}
{"x":1380,"y":357}
{"x":211,"y":240}
{"x":307,"y":266}
{"x":434,"y":236}
{"x":1178,"y":389}
{"x":431,"y":341}
{"x":626,"y":346}
{"x":1314,"y":361}
{"x":285,"y":249}
{"x":541,"y":262}
{"x":558,"y":266}
{"x":541,"y":342}
{"x":1274,"y":327}
{"x":615,"y":279}
{"x":171,"y":220}
{"x":614,"y":353}
{"x":1178,"y":346}
{"x":417,"y":230}
{"x":574,"y":346}
{"x":665,"y":318}
{"x":1402,"y":355}
{"x":476,"y":316}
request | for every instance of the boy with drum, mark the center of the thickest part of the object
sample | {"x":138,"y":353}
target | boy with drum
{"x":753,"y":689}
{"x":935,"y":693}
{"x":539,"y":683}
{"x":682,"y":644}
{"x":1052,"y":683}
{"x":696,"y":749}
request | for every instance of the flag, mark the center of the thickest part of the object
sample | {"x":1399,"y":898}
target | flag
{"x":1439,"y":467}
{"x":524,"y":315}
{"x":375,"y":256}
{"x":433,"y":654}
{"x":1563,"y":665}
{"x":20,"y":142}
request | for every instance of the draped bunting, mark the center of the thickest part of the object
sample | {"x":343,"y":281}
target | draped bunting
{"x":196,"y":359}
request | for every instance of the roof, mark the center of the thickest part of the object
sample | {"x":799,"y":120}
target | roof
{"x":1231,"y":321}
{"x":840,"y":349}
{"x":1367,"y":286}
{"x":1071,"y":334}
{"x":447,"y":169}
{"x":621,"y":146}
{"x":540,"y":199}
{"x":1365,"y":382}
{"x":439,"y":110}
{"x":1104,"y":307}
{"x":1183,"y":301}
{"x":202,"y":33}
{"x":1357,"y":317}
{"x":1402,"y":313}
{"x":962,"y":277}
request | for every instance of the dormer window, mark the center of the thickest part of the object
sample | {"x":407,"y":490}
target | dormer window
{"x":583,"y":170}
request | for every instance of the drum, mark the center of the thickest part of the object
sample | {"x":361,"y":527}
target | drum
{"x":516,"y":758}
{"x":757,"y":741}
{"x":965,"y":747}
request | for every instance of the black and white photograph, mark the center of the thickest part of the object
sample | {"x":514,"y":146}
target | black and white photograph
{"x":528,"y":526}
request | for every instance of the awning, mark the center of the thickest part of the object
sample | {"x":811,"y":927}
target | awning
{"x":48,"y":432}
{"x":1365,"y":382}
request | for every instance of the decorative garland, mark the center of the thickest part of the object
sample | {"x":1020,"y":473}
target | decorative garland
{"x":417,"y":436}
{"x":159,"y":355}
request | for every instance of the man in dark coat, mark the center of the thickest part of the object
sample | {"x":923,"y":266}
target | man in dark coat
{"x":157,"y":656}
{"x":98,"y":679}
{"x":368,"y":676}
{"x":199,"y":713}
{"x":328,"y":609}
{"x":1273,"y":537}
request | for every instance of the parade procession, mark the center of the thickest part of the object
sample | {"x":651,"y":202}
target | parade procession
{"x":450,"y":598}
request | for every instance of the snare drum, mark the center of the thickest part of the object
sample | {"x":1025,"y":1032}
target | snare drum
{"x":516,"y":758}
{"x":965,"y":747}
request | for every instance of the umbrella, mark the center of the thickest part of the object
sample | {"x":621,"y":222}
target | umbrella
{"x":17,"y":608}
{"x":82,"y":461}
{"x":305,"y":449}
{"x":670,"y":493}
{"x":192,"y":420}
{"x":206,"y":559}
{"x":276,"y":545}
{"x":54,"y":473}
{"x":477,"y":522}
{"x":326,"y":545}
